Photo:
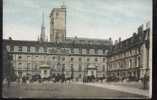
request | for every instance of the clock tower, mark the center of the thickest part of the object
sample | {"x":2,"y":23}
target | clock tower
{"x":58,"y":24}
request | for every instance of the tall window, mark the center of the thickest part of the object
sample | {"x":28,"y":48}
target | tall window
{"x":72,"y":50}
{"x":71,"y":65}
{"x":20,"y":65}
{"x":80,"y":68}
{"x":103,"y":51}
{"x":103,"y":59}
{"x":139,"y":62}
{"x":96,"y":59}
{"x":28,"y":49}
{"x":11,"y":48}
{"x":88,"y":59}
{"x":80,"y":50}
{"x":130,"y":63}
{"x":72,"y":59}
{"x":63,"y":67}
{"x":135,"y":62}
{"x":63,"y":58}
{"x":36,"y":67}
{"x":28,"y":66}
{"x":87,"y":51}
{"x":103,"y":67}
{"x":37,"y":49}
{"x":45,"y":49}
{"x":80,"y":59}
{"x":96,"y":51}
{"x":20,"y":48}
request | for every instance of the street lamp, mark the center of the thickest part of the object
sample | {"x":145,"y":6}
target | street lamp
{"x":27,"y":67}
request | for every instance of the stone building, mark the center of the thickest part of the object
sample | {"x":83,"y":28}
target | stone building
{"x":76,"y":54}
{"x":130,"y":58}
{"x":58,"y":24}
{"x":79,"y":57}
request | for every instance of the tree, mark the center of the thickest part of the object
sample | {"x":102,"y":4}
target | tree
{"x":10,"y":70}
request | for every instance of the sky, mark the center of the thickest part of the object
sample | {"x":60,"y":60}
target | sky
{"x":100,"y":19}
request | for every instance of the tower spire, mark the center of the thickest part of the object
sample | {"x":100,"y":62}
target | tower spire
{"x":42,"y":19}
{"x":42,"y":35}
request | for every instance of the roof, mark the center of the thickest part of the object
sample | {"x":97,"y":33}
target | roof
{"x":135,"y":41}
{"x":69,"y":42}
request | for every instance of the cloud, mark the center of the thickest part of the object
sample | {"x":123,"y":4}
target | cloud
{"x":20,"y":32}
{"x":96,"y":18}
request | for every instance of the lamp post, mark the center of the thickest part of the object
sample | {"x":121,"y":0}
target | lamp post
{"x":27,"y":67}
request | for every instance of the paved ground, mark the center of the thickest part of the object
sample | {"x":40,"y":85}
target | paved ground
{"x":123,"y":87}
{"x":63,"y":90}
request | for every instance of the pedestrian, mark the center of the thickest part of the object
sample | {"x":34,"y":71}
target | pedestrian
{"x":8,"y":82}
{"x":145,"y":82}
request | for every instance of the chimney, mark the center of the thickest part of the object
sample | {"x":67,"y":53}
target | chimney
{"x":10,"y":38}
{"x":116,"y":42}
{"x":140,"y":29}
{"x":134,"y":34}
{"x":119,"y":39}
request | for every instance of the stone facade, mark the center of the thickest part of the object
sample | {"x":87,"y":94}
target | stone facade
{"x":129,"y":58}
{"x":61,"y":57}
{"x":80,"y":57}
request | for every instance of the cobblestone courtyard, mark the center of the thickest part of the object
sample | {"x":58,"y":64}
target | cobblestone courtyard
{"x":62,"y":90}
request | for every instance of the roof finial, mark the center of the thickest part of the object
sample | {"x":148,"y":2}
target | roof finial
{"x":63,"y":5}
